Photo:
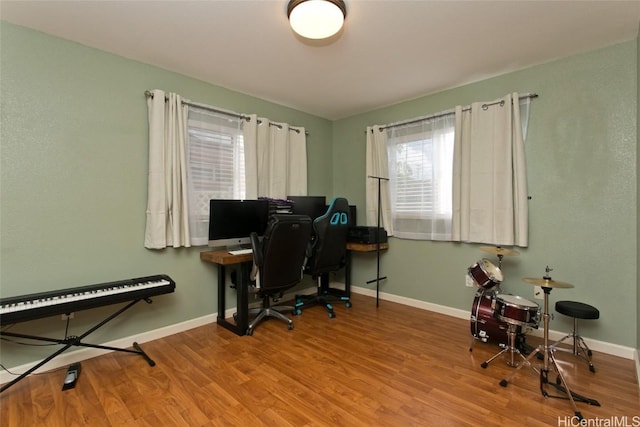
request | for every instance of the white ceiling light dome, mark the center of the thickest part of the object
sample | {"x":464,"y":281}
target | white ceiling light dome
{"x":316,"y":19}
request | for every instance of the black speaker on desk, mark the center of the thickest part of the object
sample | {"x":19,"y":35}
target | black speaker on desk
{"x":367,"y":235}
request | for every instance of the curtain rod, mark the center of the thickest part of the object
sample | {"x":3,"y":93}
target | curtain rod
{"x":448,"y":112}
{"x":149,"y":94}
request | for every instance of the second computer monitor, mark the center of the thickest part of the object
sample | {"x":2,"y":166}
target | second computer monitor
{"x":312,"y":206}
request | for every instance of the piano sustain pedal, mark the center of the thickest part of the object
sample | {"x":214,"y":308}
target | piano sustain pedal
{"x":72,"y":377}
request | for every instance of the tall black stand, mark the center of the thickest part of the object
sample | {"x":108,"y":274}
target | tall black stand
{"x":378,"y":278}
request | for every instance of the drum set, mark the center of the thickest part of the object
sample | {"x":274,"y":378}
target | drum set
{"x":495,"y":315}
{"x":498,"y":317}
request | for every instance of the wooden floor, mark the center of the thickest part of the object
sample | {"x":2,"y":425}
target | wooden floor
{"x":387,"y":366}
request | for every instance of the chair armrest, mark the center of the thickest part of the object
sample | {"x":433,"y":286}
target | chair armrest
{"x":256,"y":247}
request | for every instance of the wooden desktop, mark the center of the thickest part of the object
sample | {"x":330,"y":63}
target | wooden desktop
{"x":366,"y":247}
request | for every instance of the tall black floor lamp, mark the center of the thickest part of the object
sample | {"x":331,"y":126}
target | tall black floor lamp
{"x":378,"y":278}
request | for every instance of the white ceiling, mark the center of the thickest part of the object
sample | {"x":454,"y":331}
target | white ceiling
{"x":389,"y":51}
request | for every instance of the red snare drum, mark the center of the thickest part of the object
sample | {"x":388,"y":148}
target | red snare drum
{"x":517,"y":310}
{"x":485,"y":274}
{"x":484,"y":325}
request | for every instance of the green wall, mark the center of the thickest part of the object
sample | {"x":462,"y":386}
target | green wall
{"x":74,"y":172}
{"x":74,"y":177}
{"x":638,"y":205}
{"x":581,"y":159}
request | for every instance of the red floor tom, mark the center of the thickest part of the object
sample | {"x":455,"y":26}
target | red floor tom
{"x":484,"y":274}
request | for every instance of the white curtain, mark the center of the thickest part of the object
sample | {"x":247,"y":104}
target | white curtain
{"x":377,"y":165}
{"x":167,"y":204}
{"x":489,"y":178}
{"x":275,"y":159}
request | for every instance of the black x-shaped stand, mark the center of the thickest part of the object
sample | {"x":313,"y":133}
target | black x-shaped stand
{"x":76,"y":341}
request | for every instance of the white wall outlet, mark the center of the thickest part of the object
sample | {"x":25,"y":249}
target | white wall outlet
{"x":538,"y":293}
{"x":468,"y":281}
{"x":67,"y":316}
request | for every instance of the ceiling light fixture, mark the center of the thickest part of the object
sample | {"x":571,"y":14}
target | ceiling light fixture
{"x":316,"y":19}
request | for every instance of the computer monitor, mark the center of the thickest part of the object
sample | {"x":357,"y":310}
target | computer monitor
{"x":312,"y":206}
{"x":231,"y":222}
{"x":353,"y":216}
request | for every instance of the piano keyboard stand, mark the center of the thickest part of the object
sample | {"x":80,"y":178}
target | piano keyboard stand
{"x":77,"y":342}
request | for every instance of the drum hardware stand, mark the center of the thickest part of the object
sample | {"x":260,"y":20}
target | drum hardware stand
{"x":547,"y":351}
{"x":511,"y":347}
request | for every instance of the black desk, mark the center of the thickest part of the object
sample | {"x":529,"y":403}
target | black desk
{"x":358,"y":247}
{"x":242,"y":264}
{"x":354,"y":247}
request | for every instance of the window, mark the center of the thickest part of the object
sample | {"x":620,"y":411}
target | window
{"x":420,"y":157}
{"x":215,"y":163}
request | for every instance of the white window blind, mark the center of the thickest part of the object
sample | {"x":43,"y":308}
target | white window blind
{"x":420,"y":159}
{"x":215,"y":165}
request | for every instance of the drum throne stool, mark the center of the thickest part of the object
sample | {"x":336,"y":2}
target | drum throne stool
{"x":577,"y":310}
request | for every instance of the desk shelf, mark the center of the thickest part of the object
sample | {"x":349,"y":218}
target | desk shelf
{"x":366,"y":247}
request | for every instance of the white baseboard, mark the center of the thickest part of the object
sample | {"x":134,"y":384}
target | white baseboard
{"x":87,"y":353}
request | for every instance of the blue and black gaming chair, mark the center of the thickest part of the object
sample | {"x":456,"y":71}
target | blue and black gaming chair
{"x":327,"y":253}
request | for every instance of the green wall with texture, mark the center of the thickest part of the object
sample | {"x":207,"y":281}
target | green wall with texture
{"x":74,"y":176}
{"x":637,"y":208}
{"x":581,"y":156}
{"x":74,"y":172}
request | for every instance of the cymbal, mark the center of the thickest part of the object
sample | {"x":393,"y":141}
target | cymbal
{"x":497,"y":250}
{"x":547,"y":283}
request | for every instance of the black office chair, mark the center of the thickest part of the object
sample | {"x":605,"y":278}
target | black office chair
{"x":327,"y":253}
{"x":278,"y":263}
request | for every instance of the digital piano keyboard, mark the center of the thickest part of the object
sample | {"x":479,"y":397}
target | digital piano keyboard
{"x":34,"y":306}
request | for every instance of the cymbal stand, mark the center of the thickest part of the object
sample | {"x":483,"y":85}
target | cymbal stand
{"x":548,"y":359}
{"x":500,"y":260}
